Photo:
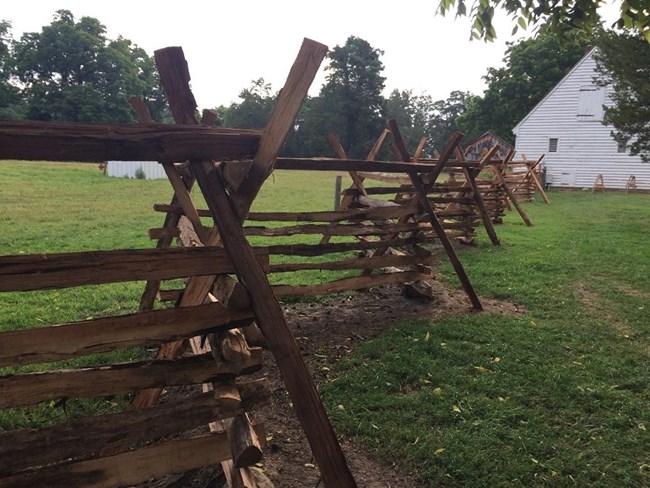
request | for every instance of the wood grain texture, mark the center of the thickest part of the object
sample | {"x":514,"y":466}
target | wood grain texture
{"x":131,"y":467}
{"x":45,"y":271}
{"x":66,"y":341}
{"x":60,"y":141}
{"x":113,"y":433}
{"x":348,"y":284}
{"x":31,"y":388}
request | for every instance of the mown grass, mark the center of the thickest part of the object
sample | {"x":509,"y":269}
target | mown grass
{"x":57,"y":207}
{"x":557,"y":396}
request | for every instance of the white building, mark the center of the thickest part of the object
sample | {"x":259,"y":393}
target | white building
{"x":567,"y":127}
{"x":127,"y":169}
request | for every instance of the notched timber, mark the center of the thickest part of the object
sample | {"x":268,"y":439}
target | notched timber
{"x":358,"y":263}
{"x":59,"y":141}
{"x":66,"y":341}
{"x":336,"y":229}
{"x":132,"y":467}
{"x":113,"y":433}
{"x":45,"y":271}
{"x":31,"y":388}
{"x":321,"y":249}
{"x":320,"y":216}
{"x":348,"y":284}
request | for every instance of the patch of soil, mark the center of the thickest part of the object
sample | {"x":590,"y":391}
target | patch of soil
{"x":326,"y":332}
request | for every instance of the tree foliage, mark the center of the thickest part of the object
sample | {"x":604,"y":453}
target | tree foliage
{"x":254,"y":110}
{"x":70,"y":71}
{"x":10,"y":99}
{"x":532,"y":68}
{"x":350,"y":104}
{"x":624,"y":63}
{"x":419,"y":115}
{"x":563,"y":18}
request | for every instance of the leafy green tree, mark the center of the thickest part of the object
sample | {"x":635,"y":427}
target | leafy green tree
{"x":419,"y":115}
{"x":72,"y":72}
{"x":532,"y":68}
{"x":624,"y":62}
{"x":446,"y":114}
{"x":350,"y":103}
{"x":564,"y":18}
{"x":254,"y":110}
{"x":10,"y":99}
{"x":413,"y":114}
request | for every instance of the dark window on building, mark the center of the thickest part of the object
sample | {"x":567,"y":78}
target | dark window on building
{"x":552,"y":145}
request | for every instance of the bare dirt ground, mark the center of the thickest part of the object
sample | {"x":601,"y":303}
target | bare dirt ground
{"x":326,"y":332}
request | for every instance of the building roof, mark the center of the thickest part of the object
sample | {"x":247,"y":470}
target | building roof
{"x":589,"y":54}
{"x":499,"y":140}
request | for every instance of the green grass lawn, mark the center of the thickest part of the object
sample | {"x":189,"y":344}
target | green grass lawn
{"x":557,"y":396}
{"x":65,"y":207}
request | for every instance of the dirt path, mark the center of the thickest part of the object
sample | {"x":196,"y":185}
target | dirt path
{"x":326,"y":332}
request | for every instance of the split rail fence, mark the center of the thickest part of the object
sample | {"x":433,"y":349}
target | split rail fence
{"x":206,"y":338}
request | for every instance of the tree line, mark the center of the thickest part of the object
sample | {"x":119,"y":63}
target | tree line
{"x":70,"y":71}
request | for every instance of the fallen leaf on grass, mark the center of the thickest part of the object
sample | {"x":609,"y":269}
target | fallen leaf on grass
{"x":437,"y":452}
{"x":481,"y":369}
{"x":456,"y":408}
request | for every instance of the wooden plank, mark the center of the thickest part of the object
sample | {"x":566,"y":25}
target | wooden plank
{"x":174,"y":75}
{"x":141,"y":110}
{"x":398,"y":141}
{"x":348,"y":284}
{"x":511,"y":196}
{"x":361,"y":165}
{"x":167,"y":233}
{"x":383,"y":190}
{"x":374,"y":152}
{"x":103,"y":435}
{"x":451,"y":253}
{"x":45,"y":271}
{"x":31,"y":388}
{"x":131,"y":467}
{"x":357,"y":181}
{"x":470,"y":176}
{"x":321,"y":249}
{"x":184,"y":199}
{"x":174,"y":78}
{"x":334,"y":229}
{"x":319,"y":216}
{"x":420,"y":149}
{"x":287,"y":354}
{"x":62,"y":141}
{"x":357,"y":263}
{"x":66,"y":341}
{"x":434,"y":200}
{"x":302,"y":73}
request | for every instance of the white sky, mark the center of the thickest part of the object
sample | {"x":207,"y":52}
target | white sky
{"x":228,"y":44}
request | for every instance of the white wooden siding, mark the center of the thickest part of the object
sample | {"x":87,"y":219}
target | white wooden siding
{"x":127,"y":169}
{"x":585,"y":146}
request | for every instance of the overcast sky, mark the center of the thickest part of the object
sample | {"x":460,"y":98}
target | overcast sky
{"x":228,"y":44}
